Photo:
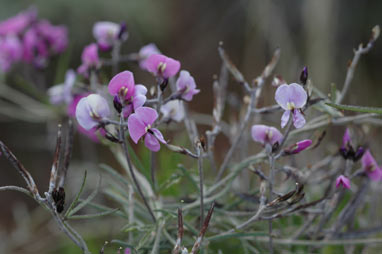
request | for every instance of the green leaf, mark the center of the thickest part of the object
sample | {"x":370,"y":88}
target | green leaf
{"x":90,"y":216}
{"x":75,"y":201}
{"x":83,"y":203}
{"x":111,"y":171}
{"x":235,"y":235}
{"x":355,"y":108}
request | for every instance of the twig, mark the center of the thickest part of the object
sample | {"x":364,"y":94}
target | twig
{"x":203,"y":231}
{"x":56,"y":160}
{"x":200,"y":167}
{"x":357,"y":55}
{"x":68,"y":154}
{"x":178,"y":244}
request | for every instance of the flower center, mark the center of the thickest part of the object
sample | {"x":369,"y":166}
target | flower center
{"x":269,"y":134}
{"x":123,"y":91}
{"x":290,"y":105}
{"x":162,"y":67}
{"x":94,"y":115}
{"x":148,"y":127}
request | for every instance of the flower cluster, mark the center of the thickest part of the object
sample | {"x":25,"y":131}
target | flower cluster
{"x":25,"y":38}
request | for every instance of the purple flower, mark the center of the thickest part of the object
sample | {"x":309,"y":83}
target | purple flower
{"x":298,"y":147}
{"x":10,"y":52}
{"x":130,"y":96}
{"x":139,"y":124}
{"x":106,"y":33}
{"x":343,"y":181}
{"x":266,"y":134}
{"x":56,"y":37}
{"x":173,"y":110}
{"x":35,"y":48}
{"x":370,"y":167}
{"x":185,"y":85}
{"x":17,"y":24}
{"x":90,"y":59}
{"x":346,"y":140}
{"x":291,"y":98}
{"x":127,"y":251}
{"x":162,"y":66}
{"x":91,"y":110}
{"x":63,"y":92}
{"x":145,"y":52}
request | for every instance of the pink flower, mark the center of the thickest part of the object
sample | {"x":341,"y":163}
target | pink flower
{"x":35,"y":48}
{"x":266,"y":134}
{"x":130,"y":96}
{"x":56,"y":37}
{"x":140,"y":124}
{"x":90,"y":59}
{"x":370,"y":167}
{"x":173,"y":110}
{"x":298,"y":147}
{"x":63,"y":93}
{"x":162,"y":66}
{"x":291,"y":98}
{"x":145,"y":52}
{"x":17,"y":24}
{"x":91,"y":110}
{"x":185,"y":85}
{"x":127,"y":251}
{"x":343,"y":181}
{"x":106,"y":33}
{"x":10,"y":52}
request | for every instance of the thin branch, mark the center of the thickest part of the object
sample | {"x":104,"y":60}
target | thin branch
{"x":357,"y":55}
{"x":56,"y":159}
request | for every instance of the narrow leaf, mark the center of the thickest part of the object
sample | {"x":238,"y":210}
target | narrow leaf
{"x":355,"y":108}
{"x":77,"y":197}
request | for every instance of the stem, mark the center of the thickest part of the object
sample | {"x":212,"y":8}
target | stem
{"x":131,"y":170}
{"x":201,"y":177}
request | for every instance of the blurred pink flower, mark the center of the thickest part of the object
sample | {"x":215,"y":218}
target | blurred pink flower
{"x":162,"y":66}
{"x":185,"y":85}
{"x":139,"y":124}
{"x":17,"y":24}
{"x":56,"y":37}
{"x":370,"y":167}
{"x":343,"y":181}
{"x":91,"y":110}
{"x":10,"y":52}
{"x":35,"y":48}
{"x":173,"y":110}
{"x":291,"y":98}
{"x":63,"y":93}
{"x":145,"y":52}
{"x":266,"y":134}
{"x":106,"y":33}
{"x":90,"y":60}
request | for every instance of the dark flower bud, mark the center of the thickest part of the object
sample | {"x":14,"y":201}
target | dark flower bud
{"x":117,"y":104}
{"x":304,"y":76}
{"x":163,"y":84}
{"x":122,"y":31}
{"x":359,"y":153}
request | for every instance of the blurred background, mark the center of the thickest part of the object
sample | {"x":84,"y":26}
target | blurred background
{"x":318,"y":34}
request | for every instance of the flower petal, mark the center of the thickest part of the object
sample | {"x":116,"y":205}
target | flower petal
{"x":146,"y":115}
{"x":98,"y":105}
{"x":282,"y":96}
{"x":83,"y":115}
{"x":122,"y":79}
{"x":152,"y":143}
{"x":285,"y":118}
{"x":136,"y":127}
{"x":158,"y":135}
{"x":298,"y":95}
{"x":298,"y":119}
